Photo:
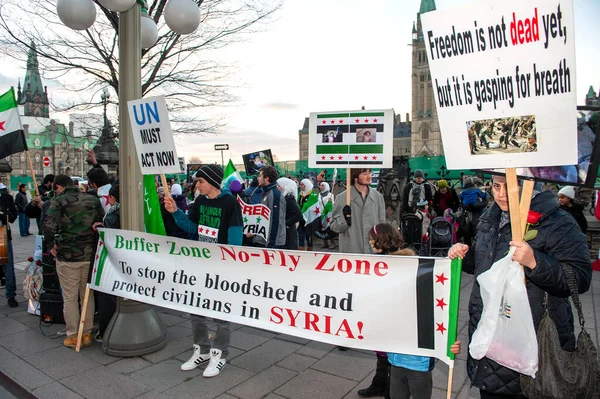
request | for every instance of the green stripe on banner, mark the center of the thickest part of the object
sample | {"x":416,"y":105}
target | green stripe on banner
{"x":360,"y":114}
{"x":455,"y":275}
{"x":103,"y":255}
{"x":333,"y":149}
{"x":325,"y":116}
{"x":7,"y":100}
{"x":366,"y":149}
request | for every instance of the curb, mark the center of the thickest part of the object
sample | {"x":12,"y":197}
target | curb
{"x":14,"y":387}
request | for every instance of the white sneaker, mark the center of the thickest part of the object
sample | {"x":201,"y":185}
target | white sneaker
{"x":62,"y":332}
{"x":215,"y":365}
{"x":196,"y":360}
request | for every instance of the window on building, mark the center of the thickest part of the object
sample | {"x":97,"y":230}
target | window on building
{"x":425,"y":132}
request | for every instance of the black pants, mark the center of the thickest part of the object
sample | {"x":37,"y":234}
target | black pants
{"x":487,"y":395}
{"x":405,"y":383}
{"x":107,"y":304}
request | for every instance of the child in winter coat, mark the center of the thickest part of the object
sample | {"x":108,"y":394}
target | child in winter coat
{"x":410,"y":375}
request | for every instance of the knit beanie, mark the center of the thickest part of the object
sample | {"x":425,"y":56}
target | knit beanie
{"x":442,"y":184}
{"x":235,"y":187}
{"x":567,"y":191}
{"x":418,"y":173}
{"x":176,"y":189}
{"x":213,"y":174}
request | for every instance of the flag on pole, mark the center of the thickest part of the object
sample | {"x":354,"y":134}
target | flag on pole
{"x":311,"y":209}
{"x":230,"y":174}
{"x":327,"y":214}
{"x":12,"y":139}
{"x":153,"y":221}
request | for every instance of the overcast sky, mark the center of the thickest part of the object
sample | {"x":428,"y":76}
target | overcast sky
{"x":328,"y":55}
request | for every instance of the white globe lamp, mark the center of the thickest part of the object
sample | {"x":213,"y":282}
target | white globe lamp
{"x":182,"y":16}
{"x":76,"y":14}
{"x":117,"y":5}
{"x":149,"y":31}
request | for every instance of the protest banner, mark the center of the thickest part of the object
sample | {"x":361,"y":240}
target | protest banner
{"x":256,"y":219}
{"x":397,"y":304}
{"x":503,"y":79}
{"x":152,"y":135}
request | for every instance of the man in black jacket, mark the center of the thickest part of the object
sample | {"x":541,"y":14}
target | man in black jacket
{"x":21,"y":202}
{"x":8,"y":214}
{"x":558,"y":242}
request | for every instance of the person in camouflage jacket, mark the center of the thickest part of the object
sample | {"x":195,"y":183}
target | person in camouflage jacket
{"x":68,"y":232}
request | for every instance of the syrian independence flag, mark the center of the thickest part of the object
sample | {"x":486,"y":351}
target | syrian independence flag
{"x":437,"y":291}
{"x":230,"y":174}
{"x":311,"y":209}
{"x":12,"y":139}
{"x":342,"y":138}
{"x":153,"y":221}
{"x":327,"y":214}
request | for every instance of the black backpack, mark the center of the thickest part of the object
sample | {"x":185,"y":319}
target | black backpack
{"x":411,"y":227}
{"x":416,"y":194}
{"x":440,"y":233}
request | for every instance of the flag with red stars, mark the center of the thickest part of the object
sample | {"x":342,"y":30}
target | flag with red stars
{"x":352,"y":138}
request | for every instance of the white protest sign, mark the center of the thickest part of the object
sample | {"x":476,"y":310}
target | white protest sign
{"x":256,"y":218}
{"x":503,"y":80}
{"x":351,"y":139}
{"x":317,"y":296}
{"x":152,"y":135}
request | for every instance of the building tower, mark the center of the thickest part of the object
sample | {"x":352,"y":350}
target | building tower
{"x":425,"y":132}
{"x":34,"y":96}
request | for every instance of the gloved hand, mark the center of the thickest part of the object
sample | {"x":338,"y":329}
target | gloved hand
{"x":347,"y":212}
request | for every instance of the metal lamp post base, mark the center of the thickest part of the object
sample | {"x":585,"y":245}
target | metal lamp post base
{"x":134,"y":330}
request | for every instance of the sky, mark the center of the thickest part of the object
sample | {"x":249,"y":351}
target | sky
{"x":330,"y":55}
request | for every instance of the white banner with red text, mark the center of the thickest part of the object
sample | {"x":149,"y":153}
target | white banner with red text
{"x":385,"y":303}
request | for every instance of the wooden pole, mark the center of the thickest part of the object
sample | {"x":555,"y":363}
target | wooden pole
{"x":163,"y":179}
{"x":86,"y":297}
{"x":513,"y":204}
{"x":348,"y":186}
{"x":526,"y":194}
{"x":450,"y":375}
{"x":35,"y":185}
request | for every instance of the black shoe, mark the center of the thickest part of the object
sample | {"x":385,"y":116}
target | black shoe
{"x":2,"y":282}
{"x":12,"y":303}
{"x":342,"y":348}
{"x":371,"y":392}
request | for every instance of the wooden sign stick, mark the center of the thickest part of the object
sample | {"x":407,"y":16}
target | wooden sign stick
{"x":512,"y":185}
{"x":526,"y":194}
{"x":348,"y":186}
{"x":86,"y":298}
{"x":32,"y":173}
{"x":163,"y":179}
{"x":450,"y":375}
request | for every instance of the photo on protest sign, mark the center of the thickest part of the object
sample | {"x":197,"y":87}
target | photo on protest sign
{"x":588,"y":156}
{"x":152,"y":135}
{"x":502,"y":135}
{"x":255,"y":161}
{"x":509,"y":61}
{"x":353,"y":138}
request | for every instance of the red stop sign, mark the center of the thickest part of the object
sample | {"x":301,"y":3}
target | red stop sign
{"x":46,"y":162}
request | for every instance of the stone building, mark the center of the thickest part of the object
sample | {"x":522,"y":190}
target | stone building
{"x":592,"y":99}
{"x":425,"y":130}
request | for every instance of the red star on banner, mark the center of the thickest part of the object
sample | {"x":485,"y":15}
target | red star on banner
{"x":374,"y":157}
{"x":332,"y":157}
{"x":440,"y":278}
{"x":375,"y":120}
{"x":323,"y":157}
{"x":365,"y":157}
{"x":100,"y":243}
{"x":200,"y":230}
{"x":357,"y":120}
{"x":2,"y":125}
{"x":317,"y":211}
{"x":340,"y":157}
{"x":441,"y":303}
{"x":356,"y":157}
{"x":328,"y":220}
{"x":366,"y":120}
{"x":324,"y":122}
{"x":332,"y":122}
{"x":214,"y":233}
{"x":440,"y":327}
{"x":341,"y":121}
{"x":106,"y":197}
{"x":97,"y":256}
{"x":94,"y":270}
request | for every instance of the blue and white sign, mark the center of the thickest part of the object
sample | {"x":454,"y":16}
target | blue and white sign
{"x":153,"y":136}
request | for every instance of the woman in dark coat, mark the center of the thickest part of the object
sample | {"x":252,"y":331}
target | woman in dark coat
{"x":558,"y":242}
{"x":566,"y":195}
{"x":293,"y":216}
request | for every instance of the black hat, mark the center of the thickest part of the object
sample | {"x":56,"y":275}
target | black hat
{"x":22,"y":185}
{"x":418,"y":173}
{"x":213,"y":174}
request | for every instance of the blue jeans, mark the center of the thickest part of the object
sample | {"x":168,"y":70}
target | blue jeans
{"x":305,"y":232}
{"x":9,"y":274}
{"x":24,"y":224}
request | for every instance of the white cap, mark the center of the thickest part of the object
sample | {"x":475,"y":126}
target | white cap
{"x":567,"y":191}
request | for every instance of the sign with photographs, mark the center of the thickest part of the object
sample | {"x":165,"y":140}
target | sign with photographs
{"x":503,"y":81}
{"x":255,"y":161}
{"x":351,"y":139}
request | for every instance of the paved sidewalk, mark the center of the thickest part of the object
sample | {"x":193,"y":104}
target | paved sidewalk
{"x":261,"y":364}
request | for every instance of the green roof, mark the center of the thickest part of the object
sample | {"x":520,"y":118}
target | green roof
{"x":426,"y":6}
{"x":44,"y":139}
{"x":591,"y":92}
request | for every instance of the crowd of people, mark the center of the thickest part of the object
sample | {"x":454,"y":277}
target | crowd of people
{"x":68,"y":217}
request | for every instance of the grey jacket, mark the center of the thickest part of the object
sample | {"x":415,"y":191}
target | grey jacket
{"x":273,"y":198}
{"x":366,"y":213}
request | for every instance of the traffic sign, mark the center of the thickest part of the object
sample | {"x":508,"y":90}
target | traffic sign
{"x":46,"y":161}
{"x":221,"y":147}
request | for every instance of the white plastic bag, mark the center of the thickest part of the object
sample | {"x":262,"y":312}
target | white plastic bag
{"x":505,"y":333}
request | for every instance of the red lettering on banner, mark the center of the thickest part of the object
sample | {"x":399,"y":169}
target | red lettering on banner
{"x":315,"y":322}
{"x":357,"y":266}
{"x":526,"y":30}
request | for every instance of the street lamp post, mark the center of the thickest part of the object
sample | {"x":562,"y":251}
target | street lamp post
{"x":135,"y":329}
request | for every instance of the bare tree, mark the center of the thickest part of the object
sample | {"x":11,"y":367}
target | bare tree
{"x":180,"y":67}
